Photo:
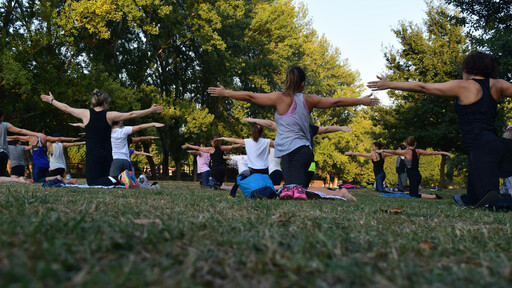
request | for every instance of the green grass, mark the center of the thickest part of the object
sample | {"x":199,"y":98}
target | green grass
{"x":88,"y":238}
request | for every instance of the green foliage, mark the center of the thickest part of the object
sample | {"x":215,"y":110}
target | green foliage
{"x":489,"y":27}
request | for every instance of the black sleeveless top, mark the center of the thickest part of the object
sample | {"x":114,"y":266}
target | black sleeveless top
{"x":217,"y":157}
{"x":414,"y":163}
{"x":97,"y":135}
{"x":378,"y":166}
{"x":477,"y":120}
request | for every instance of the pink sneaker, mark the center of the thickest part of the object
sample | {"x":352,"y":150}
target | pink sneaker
{"x":299,"y":193}
{"x":286,"y":193}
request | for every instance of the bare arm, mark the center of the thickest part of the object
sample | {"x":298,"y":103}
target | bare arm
{"x":233,"y":140}
{"x":202,"y":149}
{"x":78,"y":113}
{"x":66,"y":145}
{"x":118,"y":116}
{"x":314,"y":101}
{"x":18,"y":137}
{"x":194,"y":152}
{"x":143,"y":138}
{"x":265,"y":123}
{"x":229,"y":148}
{"x":55,"y":139}
{"x":264,"y":99}
{"x":14,"y":129}
{"x":455,"y":88}
{"x":395,"y":152}
{"x":332,"y":129}
{"x":430,"y":153}
{"x":505,"y":88}
{"x":145,"y":126}
{"x":143,"y":153}
{"x":365,"y":155}
{"x":81,"y":125}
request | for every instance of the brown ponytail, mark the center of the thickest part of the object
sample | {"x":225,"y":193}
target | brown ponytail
{"x":257,"y":132}
{"x":294,"y":79}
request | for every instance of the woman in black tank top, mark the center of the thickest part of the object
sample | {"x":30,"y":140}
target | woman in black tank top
{"x":378,"y":164}
{"x":412,"y":161}
{"x":216,"y":157}
{"x":98,"y":122}
{"x":477,"y":95}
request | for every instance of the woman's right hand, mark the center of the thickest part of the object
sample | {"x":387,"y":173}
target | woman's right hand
{"x":348,"y":153}
{"x":155,"y":108}
{"x":218,"y":91}
{"x":47,"y":98}
{"x":185,"y":146}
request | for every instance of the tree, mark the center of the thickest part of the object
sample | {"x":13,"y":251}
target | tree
{"x":428,"y":54}
{"x":489,"y":26}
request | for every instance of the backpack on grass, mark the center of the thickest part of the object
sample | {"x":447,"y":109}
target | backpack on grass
{"x":256,"y":186}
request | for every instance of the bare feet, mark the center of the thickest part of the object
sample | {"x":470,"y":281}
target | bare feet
{"x":345,"y":194}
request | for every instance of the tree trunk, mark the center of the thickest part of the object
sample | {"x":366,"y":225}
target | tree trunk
{"x":178,"y":170}
{"x":152,"y":166}
{"x":165,"y":152}
{"x":442,"y":169}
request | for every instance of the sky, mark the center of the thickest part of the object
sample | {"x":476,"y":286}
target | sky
{"x":361,"y":29}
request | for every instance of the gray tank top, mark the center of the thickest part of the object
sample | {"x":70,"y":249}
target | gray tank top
{"x":17,"y":155}
{"x":3,"y":137}
{"x":57,"y":159}
{"x":292,"y":127}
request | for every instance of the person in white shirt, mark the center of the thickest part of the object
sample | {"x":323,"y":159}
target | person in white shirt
{"x":257,"y":149}
{"x":243,"y":169}
{"x":120,"y":150}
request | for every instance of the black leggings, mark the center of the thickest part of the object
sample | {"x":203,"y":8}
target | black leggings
{"x":414,"y":183}
{"x":97,"y":171}
{"x":4,"y":157}
{"x":276,"y":176}
{"x":296,"y":165}
{"x":218,"y":173}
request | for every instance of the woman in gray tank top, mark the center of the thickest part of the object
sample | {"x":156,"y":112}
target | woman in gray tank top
{"x":292,"y":142}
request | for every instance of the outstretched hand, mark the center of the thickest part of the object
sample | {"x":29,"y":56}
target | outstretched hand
{"x":369,"y":101}
{"x":156,"y":109}
{"x":448,"y":154}
{"x":348,"y":153}
{"x":248,"y":119}
{"x":185,"y":146}
{"x":381,"y":84}
{"x":346,"y":129}
{"x":218,"y":91}
{"x":158,"y":125}
{"x":47,"y":98}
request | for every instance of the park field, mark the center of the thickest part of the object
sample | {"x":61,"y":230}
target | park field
{"x":185,"y":236}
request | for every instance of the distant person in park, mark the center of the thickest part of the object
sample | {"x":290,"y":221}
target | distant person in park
{"x":412,"y":161}
{"x":57,"y":157}
{"x":41,"y":164}
{"x":242,"y":167}
{"x":400,"y":169}
{"x":217,"y":157}
{"x":378,"y":164}
{"x":17,"y":158}
{"x":257,"y":149}
{"x":477,"y":96}
{"x":506,"y":187}
{"x":293,"y":140}
{"x":313,"y":131}
{"x":4,"y":147}
{"x":203,"y":165}
{"x":98,"y":127}
{"x":120,"y":150}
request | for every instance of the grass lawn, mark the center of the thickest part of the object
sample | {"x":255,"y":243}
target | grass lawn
{"x":182,"y":235}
